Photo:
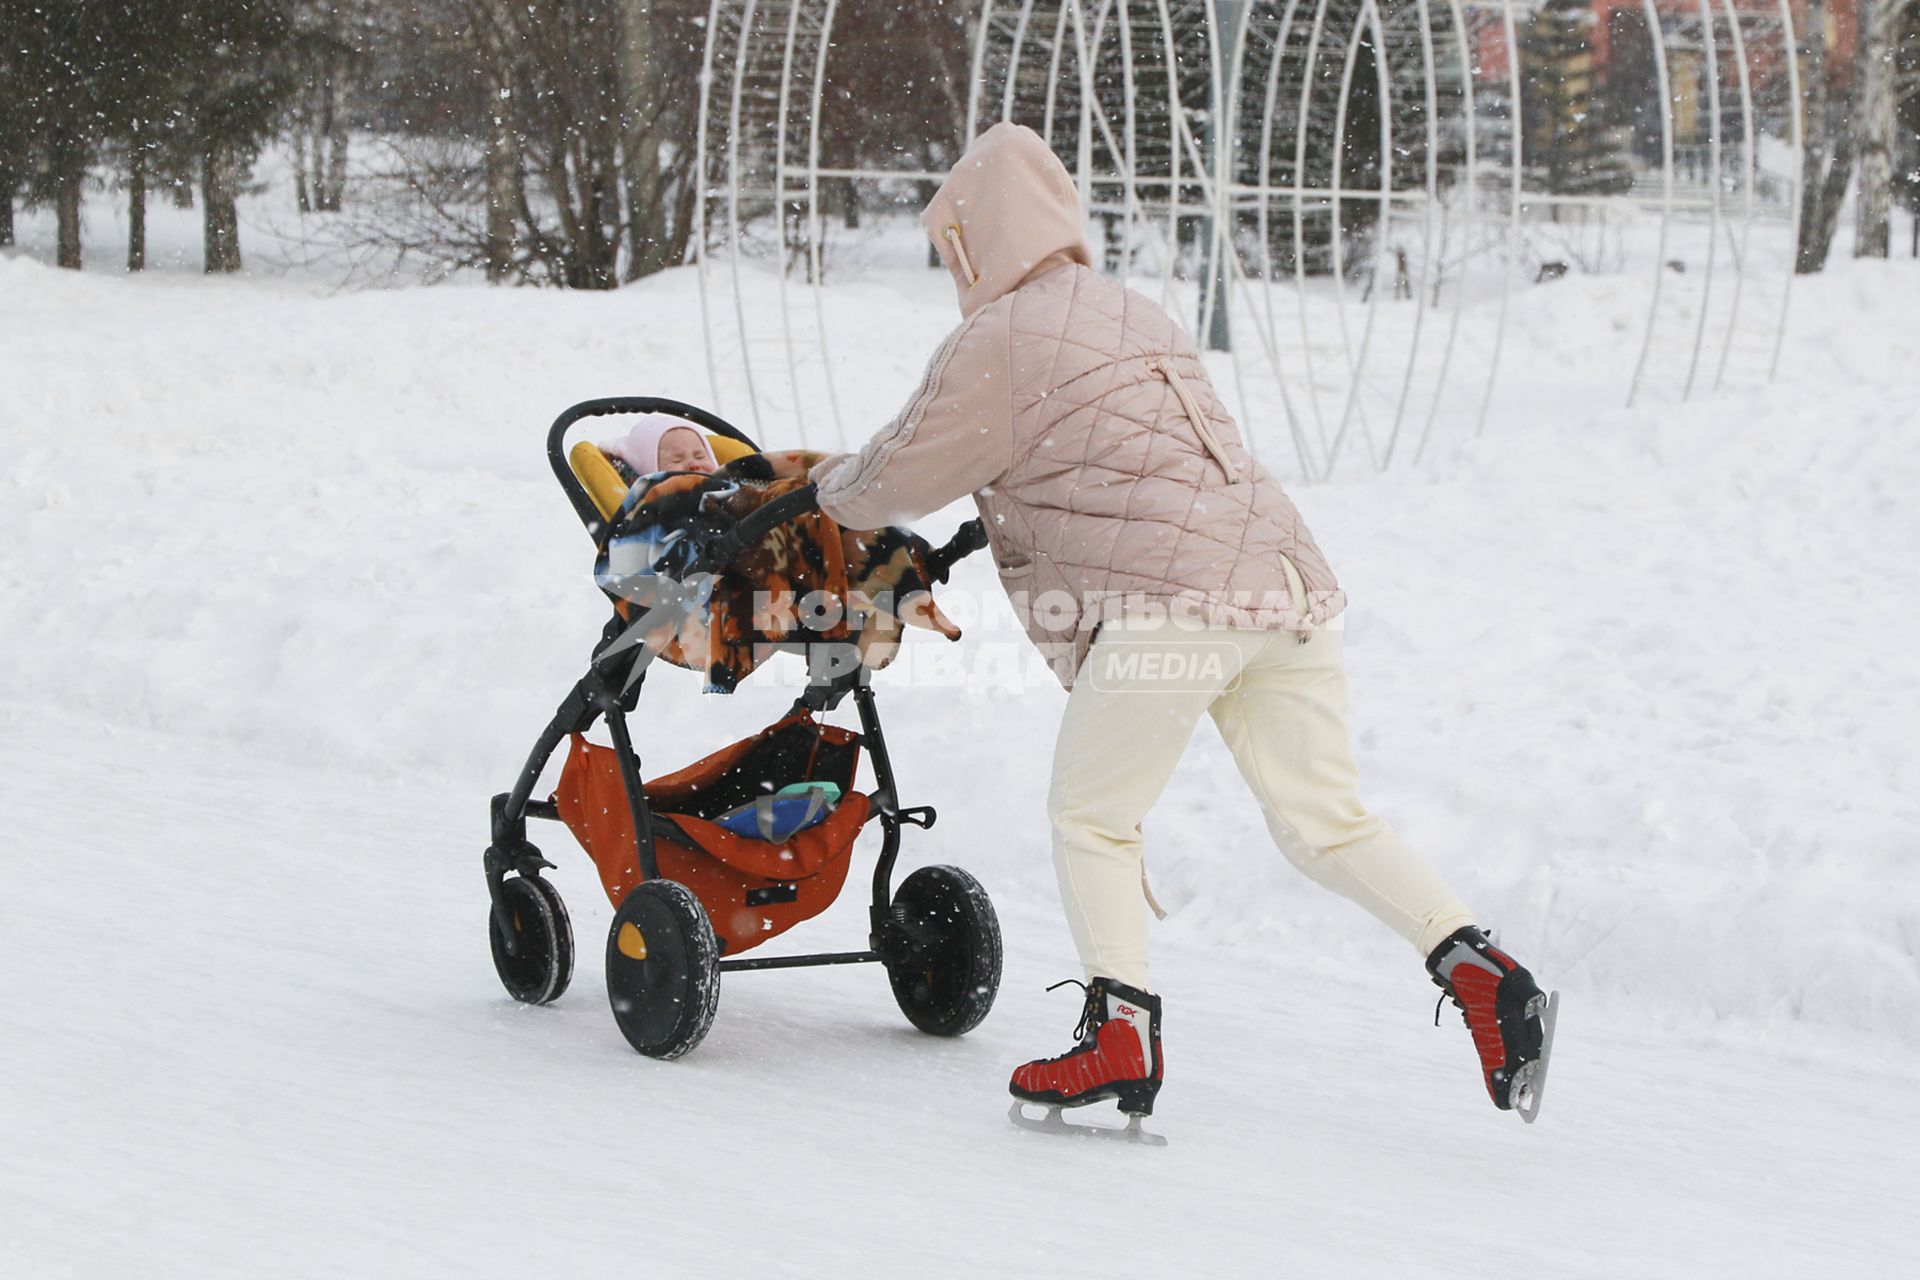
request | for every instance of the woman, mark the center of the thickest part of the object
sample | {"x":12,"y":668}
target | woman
{"x":1122,"y":507}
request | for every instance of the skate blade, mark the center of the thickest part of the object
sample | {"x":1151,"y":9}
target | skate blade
{"x":1527,"y":1090}
{"x":1054,"y":1122}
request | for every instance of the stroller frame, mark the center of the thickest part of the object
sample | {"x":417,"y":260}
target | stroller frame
{"x":610,"y":691}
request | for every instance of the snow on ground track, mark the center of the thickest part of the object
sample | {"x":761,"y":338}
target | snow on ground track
{"x":286,"y":590}
{"x":261,"y":1031}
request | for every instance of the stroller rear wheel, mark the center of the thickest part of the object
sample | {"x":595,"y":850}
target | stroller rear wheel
{"x":540,"y":964}
{"x":663,"y":969}
{"x":947,"y":971}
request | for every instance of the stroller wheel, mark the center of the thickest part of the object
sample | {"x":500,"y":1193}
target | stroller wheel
{"x":540,"y":964}
{"x":663,"y":969}
{"x":947,"y":971}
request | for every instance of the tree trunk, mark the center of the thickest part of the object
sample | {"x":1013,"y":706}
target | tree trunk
{"x":335,"y":117}
{"x":1827,"y":158}
{"x":302,"y":190}
{"x":9,"y":182}
{"x":137,"y":212}
{"x":73,"y":178}
{"x":1821,"y":207}
{"x":1873,"y":208}
{"x":603,"y":218}
{"x":220,"y":182}
{"x":502,"y":167}
{"x":648,"y":237}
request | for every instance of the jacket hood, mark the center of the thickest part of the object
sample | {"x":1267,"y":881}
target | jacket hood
{"x":1006,"y":207}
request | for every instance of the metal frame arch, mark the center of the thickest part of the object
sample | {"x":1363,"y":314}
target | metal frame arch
{"x":1175,"y":109}
{"x":1665,"y":83}
{"x":1131,"y":131}
{"x":1432,"y":186}
{"x":1747,"y":167}
{"x":1797,"y":130}
{"x":1220,"y":137}
{"x":1240,"y":151}
{"x":1149,"y":73}
{"x":1367,"y":15}
{"x":700,"y":205}
{"x":1518,"y":151}
{"x":816,"y":225}
{"x":1471,"y":183}
{"x":1013,"y":62}
{"x":1299,"y":225}
{"x":981,"y":32}
{"x":780,"y":199}
{"x":1710,"y":45}
{"x":734,"y":114}
{"x":1302,"y":449}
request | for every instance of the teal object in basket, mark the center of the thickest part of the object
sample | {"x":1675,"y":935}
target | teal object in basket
{"x":778,"y":817}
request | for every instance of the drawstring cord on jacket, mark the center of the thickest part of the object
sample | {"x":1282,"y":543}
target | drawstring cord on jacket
{"x":1197,"y":418}
{"x":1146,"y":891}
{"x":960,"y":251}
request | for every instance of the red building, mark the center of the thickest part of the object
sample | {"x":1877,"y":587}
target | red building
{"x":1626,"y":19}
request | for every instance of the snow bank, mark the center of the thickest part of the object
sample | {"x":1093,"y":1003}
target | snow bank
{"x":1639,"y":679}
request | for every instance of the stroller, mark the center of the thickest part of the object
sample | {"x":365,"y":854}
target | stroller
{"x":706,"y":863}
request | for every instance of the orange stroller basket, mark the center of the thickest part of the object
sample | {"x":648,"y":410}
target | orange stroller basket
{"x":691,"y":893}
{"x":752,"y":889}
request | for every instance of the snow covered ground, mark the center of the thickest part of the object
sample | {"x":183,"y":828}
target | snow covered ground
{"x":287,"y":590}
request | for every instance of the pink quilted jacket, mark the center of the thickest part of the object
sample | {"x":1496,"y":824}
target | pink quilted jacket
{"x":1083,"y":423}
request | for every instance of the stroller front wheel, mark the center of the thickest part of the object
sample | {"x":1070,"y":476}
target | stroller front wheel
{"x":947,"y":971}
{"x":663,"y":969}
{"x":536,"y":968}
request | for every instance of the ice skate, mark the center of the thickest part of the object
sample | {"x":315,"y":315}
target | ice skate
{"x":1118,"y":1058}
{"x":1510,"y":1018}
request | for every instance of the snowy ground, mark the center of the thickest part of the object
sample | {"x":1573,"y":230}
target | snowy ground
{"x":287,"y":590}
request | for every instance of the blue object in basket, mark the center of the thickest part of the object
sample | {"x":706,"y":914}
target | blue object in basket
{"x":777,"y":818}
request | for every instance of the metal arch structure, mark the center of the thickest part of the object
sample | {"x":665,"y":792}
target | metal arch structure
{"x":1731,"y":122}
{"x":757,"y":153}
{"x":1341,"y":195}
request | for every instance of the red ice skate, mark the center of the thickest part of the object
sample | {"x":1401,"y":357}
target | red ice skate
{"x":1118,"y":1057}
{"x":1510,"y":1017}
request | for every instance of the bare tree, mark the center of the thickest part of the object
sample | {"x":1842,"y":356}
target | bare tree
{"x":560,"y":149}
{"x":506,"y":190}
{"x":1873,"y":208}
{"x":1906,"y":114}
{"x":660,"y":51}
{"x":325,"y":46}
{"x":64,"y":66}
{"x":896,"y":97}
{"x":1827,"y":159}
{"x":559,"y":61}
{"x":13,"y":134}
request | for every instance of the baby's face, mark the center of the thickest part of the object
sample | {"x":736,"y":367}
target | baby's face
{"x":682,"y":449}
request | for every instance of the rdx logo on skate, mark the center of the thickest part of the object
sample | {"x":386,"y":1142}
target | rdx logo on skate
{"x":1146,"y":667}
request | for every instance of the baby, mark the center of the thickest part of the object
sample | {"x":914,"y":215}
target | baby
{"x":664,"y":445}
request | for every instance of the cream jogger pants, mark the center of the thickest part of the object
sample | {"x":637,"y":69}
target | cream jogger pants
{"x":1281,"y":706}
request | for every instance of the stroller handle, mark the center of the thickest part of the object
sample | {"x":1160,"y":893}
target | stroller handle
{"x":608,"y":407}
{"x":723,"y":549}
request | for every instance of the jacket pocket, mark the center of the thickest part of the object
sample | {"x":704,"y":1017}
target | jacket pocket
{"x":1201,"y":425}
{"x":1299,"y":596}
{"x":1012,"y":565}
{"x":1009,"y":561}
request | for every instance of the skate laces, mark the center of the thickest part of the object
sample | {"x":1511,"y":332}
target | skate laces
{"x":1446,"y":987}
{"x":1086,"y":1010}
